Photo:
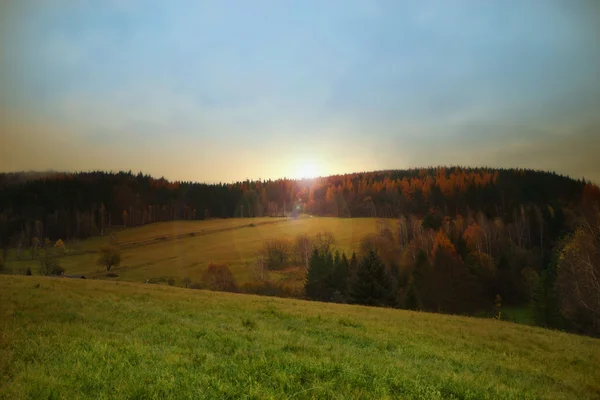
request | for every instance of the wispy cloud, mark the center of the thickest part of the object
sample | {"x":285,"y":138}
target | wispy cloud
{"x":193,"y":90}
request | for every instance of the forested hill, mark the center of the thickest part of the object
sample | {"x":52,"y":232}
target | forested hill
{"x":461,"y":238}
{"x":60,"y":205}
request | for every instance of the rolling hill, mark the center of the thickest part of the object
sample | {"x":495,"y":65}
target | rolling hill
{"x":67,"y":338}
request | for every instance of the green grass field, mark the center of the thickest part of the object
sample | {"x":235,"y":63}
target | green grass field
{"x":183,"y":249}
{"x":69,"y":338}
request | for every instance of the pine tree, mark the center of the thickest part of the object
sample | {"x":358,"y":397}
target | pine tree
{"x":411,"y":296}
{"x":340,"y":276}
{"x":353,"y":266}
{"x":422,"y":282}
{"x":372,"y":284}
{"x":318,"y":278}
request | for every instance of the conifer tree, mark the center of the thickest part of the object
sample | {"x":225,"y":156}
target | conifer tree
{"x":341,"y":273}
{"x":318,"y":278}
{"x":372,"y":284}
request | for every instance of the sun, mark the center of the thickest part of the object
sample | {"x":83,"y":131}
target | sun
{"x":307,"y":169}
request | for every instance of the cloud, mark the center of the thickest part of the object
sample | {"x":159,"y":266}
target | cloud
{"x":192,"y":90}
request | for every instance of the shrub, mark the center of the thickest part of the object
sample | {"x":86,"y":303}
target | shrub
{"x":58,"y":270}
{"x":50,"y":265}
{"x":219,"y":277}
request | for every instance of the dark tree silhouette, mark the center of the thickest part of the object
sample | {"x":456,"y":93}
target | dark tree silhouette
{"x":372,"y":285}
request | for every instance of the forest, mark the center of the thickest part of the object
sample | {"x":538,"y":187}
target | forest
{"x":463,"y":240}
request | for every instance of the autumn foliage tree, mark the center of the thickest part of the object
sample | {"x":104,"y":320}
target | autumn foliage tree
{"x":219,"y":277}
{"x":578,"y":279}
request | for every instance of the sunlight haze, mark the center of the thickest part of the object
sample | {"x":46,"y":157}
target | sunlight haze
{"x":224,"y":91}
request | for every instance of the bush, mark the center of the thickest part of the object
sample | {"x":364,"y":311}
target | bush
{"x":50,"y":265}
{"x":112,"y":275}
{"x":219,"y":277}
{"x":58,"y":270}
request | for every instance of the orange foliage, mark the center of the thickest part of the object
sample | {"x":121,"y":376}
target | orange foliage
{"x":442,"y":241}
{"x":473,"y":235}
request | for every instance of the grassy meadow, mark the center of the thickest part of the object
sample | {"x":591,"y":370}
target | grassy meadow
{"x":183,"y":249}
{"x":70,"y":338}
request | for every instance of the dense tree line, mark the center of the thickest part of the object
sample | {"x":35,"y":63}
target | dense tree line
{"x":463,"y":238}
{"x":542,"y":261}
{"x":58,"y":205}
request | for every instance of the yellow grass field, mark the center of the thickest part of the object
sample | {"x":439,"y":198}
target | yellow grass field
{"x":181,"y":249}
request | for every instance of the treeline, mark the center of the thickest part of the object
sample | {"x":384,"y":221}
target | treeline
{"x":67,"y":206}
{"x":544,"y":260}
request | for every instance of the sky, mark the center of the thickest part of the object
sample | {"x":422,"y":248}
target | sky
{"x":221,"y":91}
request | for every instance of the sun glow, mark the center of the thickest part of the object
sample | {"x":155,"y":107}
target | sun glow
{"x":306,"y":169}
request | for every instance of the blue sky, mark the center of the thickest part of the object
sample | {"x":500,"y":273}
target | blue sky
{"x":228,"y":90}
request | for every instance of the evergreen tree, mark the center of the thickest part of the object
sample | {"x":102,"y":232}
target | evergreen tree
{"x":422,"y":289}
{"x":372,"y":284}
{"x":411,"y":296}
{"x":545,"y":300}
{"x":318,"y":278}
{"x":339,"y":278}
{"x":353,"y":266}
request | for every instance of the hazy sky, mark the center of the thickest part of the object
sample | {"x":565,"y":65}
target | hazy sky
{"x":228,"y":90}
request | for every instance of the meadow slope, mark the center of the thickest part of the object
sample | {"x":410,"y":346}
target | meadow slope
{"x":72,"y":338}
{"x":183,"y":249}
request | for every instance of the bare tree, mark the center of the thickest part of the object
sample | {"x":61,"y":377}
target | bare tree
{"x":324,"y":241}
{"x":277,"y":253}
{"x":102,"y":218}
{"x":260,"y":266}
{"x":303,"y":248}
{"x":578,"y":280}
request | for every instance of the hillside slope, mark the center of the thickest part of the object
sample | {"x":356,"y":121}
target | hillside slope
{"x":148,"y":253}
{"x":63,"y":338}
